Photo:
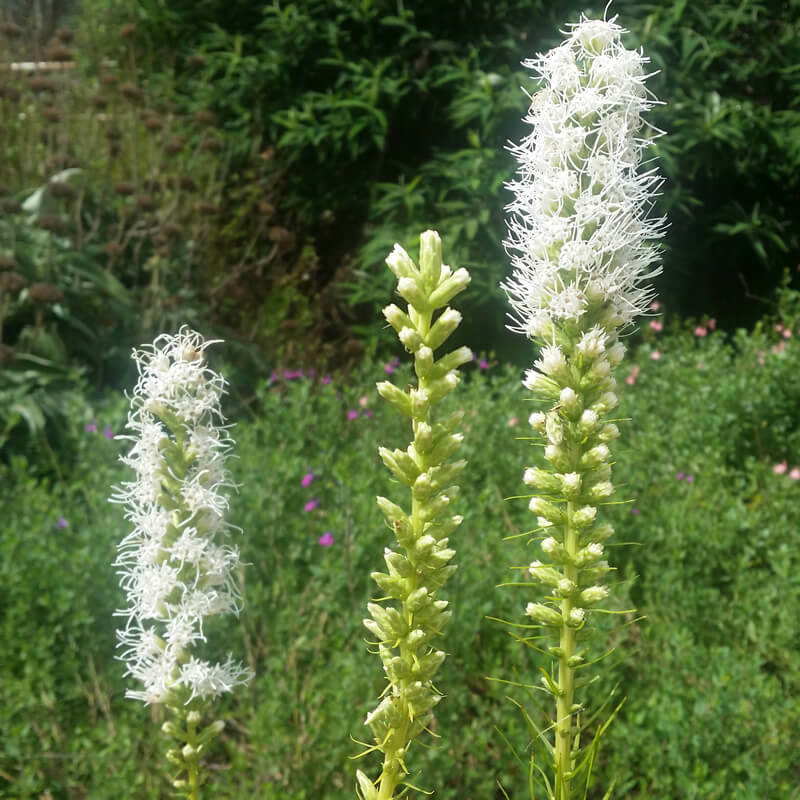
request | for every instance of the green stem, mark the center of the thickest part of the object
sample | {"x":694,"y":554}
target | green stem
{"x":192,"y":765}
{"x":566,"y":674}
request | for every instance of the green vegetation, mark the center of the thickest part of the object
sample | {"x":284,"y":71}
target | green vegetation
{"x":711,"y":565}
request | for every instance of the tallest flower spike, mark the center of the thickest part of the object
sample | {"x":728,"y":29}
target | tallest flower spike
{"x":580,"y":234}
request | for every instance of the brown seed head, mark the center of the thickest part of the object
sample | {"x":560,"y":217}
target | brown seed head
{"x":281,"y":236}
{"x":51,"y":114}
{"x":11,"y":282}
{"x":45,"y":293}
{"x":124,"y":189}
{"x":113,"y":134}
{"x":99,"y":101}
{"x":10,"y":93}
{"x":187,"y":184}
{"x":7,"y":263}
{"x":196,"y":60}
{"x":63,"y":35}
{"x":206,"y":209}
{"x":175,"y":145}
{"x":153,"y":123}
{"x":133,"y":93}
{"x":205,"y":117}
{"x":38,"y":84}
{"x":9,"y":206}
{"x":146,"y":202}
{"x":212,"y":146}
{"x":114,"y":249}
{"x":127,"y":30}
{"x":56,"y":51}
{"x":50,"y":222}
{"x":11,"y":30}
{"x":7,"y":354}
{"x":61,"y":189}
{"x":108,"y":79}
{"x":171,"y":230}
{"x":59,"y":161}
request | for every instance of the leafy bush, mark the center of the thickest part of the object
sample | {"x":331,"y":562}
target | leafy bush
{"x":706,"y":664}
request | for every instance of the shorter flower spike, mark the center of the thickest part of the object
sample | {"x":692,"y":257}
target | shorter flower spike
{"x":409,"y":617}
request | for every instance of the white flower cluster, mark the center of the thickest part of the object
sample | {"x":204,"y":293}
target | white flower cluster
{"x":579,"y":223}
{"x":174,"y":573}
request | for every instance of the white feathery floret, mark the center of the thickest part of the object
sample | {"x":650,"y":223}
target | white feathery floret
{"x":174,"y":574}
{"x":580,"y":223}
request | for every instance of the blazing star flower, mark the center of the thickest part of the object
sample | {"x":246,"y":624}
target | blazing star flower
{"x":580,"y":222}
{"x":175,"y":567}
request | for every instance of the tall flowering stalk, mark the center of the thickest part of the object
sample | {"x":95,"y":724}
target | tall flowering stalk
{"x":578,"y":239}
{"x":410,"y":617}
{"x":175,"y":568}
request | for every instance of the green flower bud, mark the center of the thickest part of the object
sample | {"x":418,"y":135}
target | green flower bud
{"x":547,"y":510}
{"x":595,"y":457}
{"x":570,"y":484}
{"x":544,"y":574}
{"x":410,"y":339}
{"x":601,"y":490}
{"x":594,"y":594}
{"x":538,"y":478}
{"x":554,"y":429}
{"x":398,"y":398}
{"x":576,"y":618}
{"x":411,"y":291}
{"x":584,"y":516}
{"x":430,"y":258}
{"x":423,"y":362}
{"x":397,"y":318}
{"x":588,"y":555}
{"x":446,"y":323}
{"x":400,"y":263}
{"x":451,"y":361}
{"x":570,"y":403}
{"x":546,"y":615}
{"x":449,"y":288}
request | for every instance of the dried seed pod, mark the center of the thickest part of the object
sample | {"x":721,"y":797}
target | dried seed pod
{"x":99,"y":101}
{"x":7,"y":263}
{"x":114,"y":249}
{"x":57,"y":51}
{"x":59,"y":161}
{"x":51,"y":114}
{"x":127,"y":30}
{"x":196,"y":60}
{"x":146,"y":202}
{"x":113,"y":134}
{"x":153,"y":123}
{"x":131,"y":92}
{"x":38,"y":84}
{"x":186,"y":183}
{"x":51,"y":222}
{"x":281,"y":236}
{"x":205,"y":117}
{"x":212,"y":145}
{"x":171,"y":230}
{"x":45,"y":293}
{"x":63,"y":35}
{"x":124,"y":189}
{"x":206,"y":209}
{"x":61,"y":189}
{"x":175,"y":145}
{"x":9,"y":206}
{"x":108,"y":79}
{"x":11,"y":282}
{"x":11,"y":30}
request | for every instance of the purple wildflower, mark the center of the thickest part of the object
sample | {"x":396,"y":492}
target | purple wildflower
{"x":326,"y":380}
{"x":62,"y":523}
{"x":635,"y":512}
{"x":352,"y":414}
{"x":308,"y":479}
{"x":91,"y":427}
{"x":311,"y":505}
{"x":483,"y":364}
{"x":680,"y":476}
{"x":107,"y":432}
{"x":326,"y":540}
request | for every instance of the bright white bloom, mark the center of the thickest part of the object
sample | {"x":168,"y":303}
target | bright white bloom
{"x":580,"y":221}
{"x":172,"y":571}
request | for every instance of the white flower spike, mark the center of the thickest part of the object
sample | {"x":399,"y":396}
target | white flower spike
{"x":580,"y":222}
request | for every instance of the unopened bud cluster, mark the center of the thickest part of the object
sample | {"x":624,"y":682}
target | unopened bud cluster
{"x":576,"y":438}
{"x":409,"y":619}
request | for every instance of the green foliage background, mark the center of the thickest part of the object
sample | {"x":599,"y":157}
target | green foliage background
{"x":708,"y":663}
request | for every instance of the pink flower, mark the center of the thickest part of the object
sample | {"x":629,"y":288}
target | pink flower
{"x":326,"y":540}
{"x":362,"y":401}
{"x":367,"y":412}
{"x":795,"y":474}
{"x":483,"y":364}
{"x":655,"y":355}
{"x":307,"y":480}
{"x":787,"y":334}
{"x":352,"y":414}
{"x":326,"y":380}
{"x":780,"y":469}
{"x":657,"y":325}
{"x":91,"y":427}
{"x":391,"y":366}
{"x":513,"y":422}
{"x":655,"y":305}
{"x":680,"y":476}
{"x":632,"y":375}
{"x":107,"y":432}
{"x":712,"y":324}
{"x":779,"y":327}
{"x":311,"y":505}
{"x":690,"y":479}
{"x":62,"y":523}
{"x":635,"y":512}
{"x":700,"y":331}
